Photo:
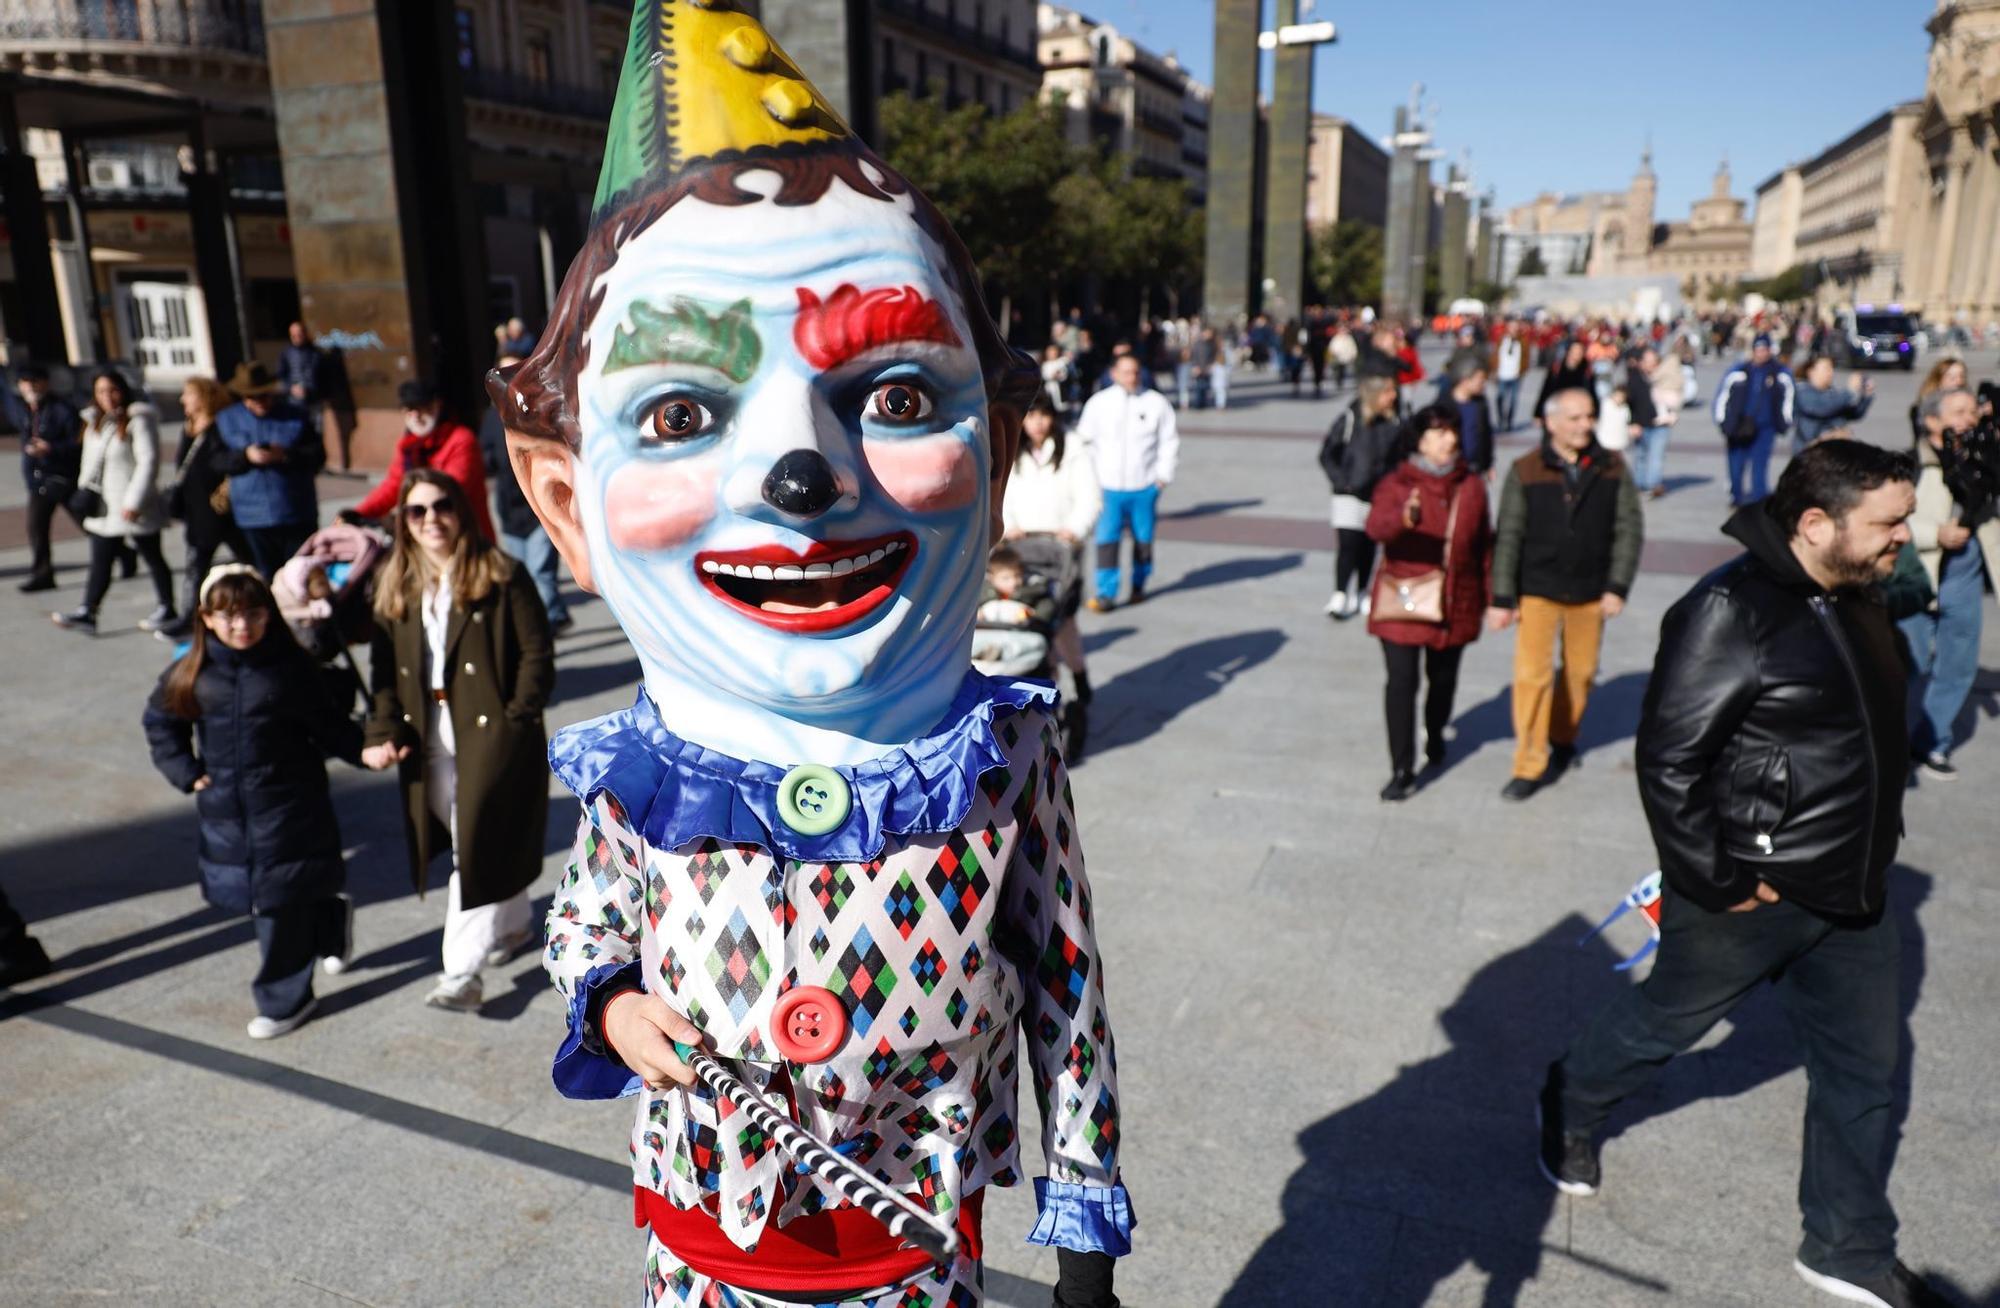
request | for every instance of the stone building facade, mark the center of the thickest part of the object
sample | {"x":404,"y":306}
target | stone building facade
{"x":1347,"y":175}
{"x":1848,"y":213}
{"x":1142,"y":106}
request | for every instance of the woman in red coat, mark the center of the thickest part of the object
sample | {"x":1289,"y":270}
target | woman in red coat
{"x":1429,"y":515}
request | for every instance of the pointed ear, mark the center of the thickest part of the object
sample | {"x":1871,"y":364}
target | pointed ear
{"x":546,"y":470}
{"x":1005,"y":421}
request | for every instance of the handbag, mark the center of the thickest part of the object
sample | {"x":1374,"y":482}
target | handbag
{"x":86,"y":502}
{"x":1418,"y":598}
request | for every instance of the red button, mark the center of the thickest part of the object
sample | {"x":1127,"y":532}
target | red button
{"x":808,"y":1024}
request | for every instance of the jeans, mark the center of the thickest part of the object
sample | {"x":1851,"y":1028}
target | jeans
{"x":271,"y":546}
{"x":1944,"y":650}
{"x":1122,"y":509}
{"x":292,"y":939}
{"x":1218,"y":385}
{"x":1507,"y":395}
{"x":1838,"y":984}
{"x":538,"y":554}
{"x":104,"y":551}
{"x":1399,"y":699}
{"x":1184,"y":383}
{"x":1649,"y":458}
{"x":1751,"y":462}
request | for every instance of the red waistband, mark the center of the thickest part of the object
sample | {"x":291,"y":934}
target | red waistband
{"x":840,"y":1249}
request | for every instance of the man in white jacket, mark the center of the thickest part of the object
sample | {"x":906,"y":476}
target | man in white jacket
{"x":1134,"y":445}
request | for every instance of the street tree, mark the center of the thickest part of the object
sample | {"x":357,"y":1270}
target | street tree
{"x":1532,"y":263}
{"x":1345,"y":262}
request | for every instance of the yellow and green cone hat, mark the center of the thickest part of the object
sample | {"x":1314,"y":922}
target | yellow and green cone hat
{"x":702,"y":81}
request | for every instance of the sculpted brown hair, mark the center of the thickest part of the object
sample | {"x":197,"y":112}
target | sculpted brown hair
{"x":533,"y":396}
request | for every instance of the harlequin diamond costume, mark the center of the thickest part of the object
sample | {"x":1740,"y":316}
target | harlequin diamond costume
{"x":770,"y":423}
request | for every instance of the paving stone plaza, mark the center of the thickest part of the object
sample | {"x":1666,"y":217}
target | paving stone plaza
{"x":1332,"y":1014}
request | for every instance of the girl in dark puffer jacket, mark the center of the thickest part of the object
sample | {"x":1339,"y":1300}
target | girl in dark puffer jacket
{"x":244,"y":722}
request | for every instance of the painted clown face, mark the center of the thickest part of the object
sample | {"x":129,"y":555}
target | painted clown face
{"x":784,"y":467}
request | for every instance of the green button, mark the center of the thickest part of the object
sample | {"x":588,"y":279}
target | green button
{"x":813,"y":800}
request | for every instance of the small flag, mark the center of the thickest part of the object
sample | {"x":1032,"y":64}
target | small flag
{"x":1646,"y":898}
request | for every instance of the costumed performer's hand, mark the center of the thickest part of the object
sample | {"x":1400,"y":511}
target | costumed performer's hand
{"x":1499,"y":619}
{"x":1611,"y":605}
{"x":1083,"y":1280}
{"x":1765,"y":895}
{"x":201,"y":783}
{"x":641,"y":1030}
{"x":380,"y":758}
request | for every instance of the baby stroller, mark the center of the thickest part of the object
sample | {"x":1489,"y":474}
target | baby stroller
{"x":325,"y":594}
{"x":1053,"y":589}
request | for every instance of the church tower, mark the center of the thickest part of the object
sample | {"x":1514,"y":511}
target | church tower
{"x":1639,"y":204}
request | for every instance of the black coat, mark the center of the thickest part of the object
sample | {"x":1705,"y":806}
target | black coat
{"x":268,"y":833}
{"x":1772,"y":743}
{"x":195,"y":480}
{"x":57,"y":422}
{"x":1355,"y":453}
{"x":1560,"y":379}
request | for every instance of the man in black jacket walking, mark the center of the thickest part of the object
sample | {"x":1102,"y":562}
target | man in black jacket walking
{"x":1771,"y":757}
{"x":51,"y":460}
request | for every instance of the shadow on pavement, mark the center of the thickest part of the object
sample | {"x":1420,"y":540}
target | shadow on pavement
{"x":1435,"y":1171}
{"x":1612,"y":716}
{"x":1211,"y":508}
{"x":1228,"y":571}
{"x":573,"y":682}
{"x":1137,"y":703}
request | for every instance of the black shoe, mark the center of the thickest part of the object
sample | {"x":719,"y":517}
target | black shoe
{"x":28,"y":961}
{"x":1433,"y":755}
{"x":46,"y":581}
{"x":1138,"y":596}
{"x":1569,"y":1161}
{"x":1520,"y":788}
{"x":160,"y":619}
{"x":1899,"y":1287}
{"x":82,"y":620}
{"x":1400,"y":787}
{"x":1561,"y":759}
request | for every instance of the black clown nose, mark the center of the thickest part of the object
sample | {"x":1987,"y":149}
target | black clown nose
{"x":801,"y":484}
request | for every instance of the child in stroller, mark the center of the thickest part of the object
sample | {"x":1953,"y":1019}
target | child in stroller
{"x":1032,"y":587}
{"x":324,"y":594}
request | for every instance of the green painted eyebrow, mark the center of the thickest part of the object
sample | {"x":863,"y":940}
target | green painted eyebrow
{"x":687,"y":332}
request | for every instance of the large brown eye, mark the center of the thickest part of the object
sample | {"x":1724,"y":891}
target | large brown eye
{"x":675,"y":418}
{"x":898,"y":404}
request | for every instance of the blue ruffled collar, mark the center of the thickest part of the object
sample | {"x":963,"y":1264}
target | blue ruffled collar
{"x":677,"y":791}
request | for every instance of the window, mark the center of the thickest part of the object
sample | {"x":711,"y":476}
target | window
{"x":468,"y":40}
{"x":541,"y":66}
{"x":272,"y":304}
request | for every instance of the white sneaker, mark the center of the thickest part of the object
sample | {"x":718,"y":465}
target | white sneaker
{"x":460,"y":994}
{"x":1366,"y":604}
{"x":335,"y":964}
{"x":269,"y":1028}
{"x":506,"y":950}
{"x":1336,"y":607}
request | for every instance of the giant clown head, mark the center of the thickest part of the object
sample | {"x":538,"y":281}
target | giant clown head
{"x":770,"y":420}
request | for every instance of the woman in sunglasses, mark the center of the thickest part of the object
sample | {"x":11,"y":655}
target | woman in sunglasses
{"x":462,"y":666}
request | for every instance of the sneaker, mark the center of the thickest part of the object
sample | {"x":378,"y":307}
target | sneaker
{"x":159,"y":619}
{"x":1561,"y":759}
{"x":1336,"y":605}
{"x":1520,"y":788}
{"x":460,"y":994}
{"x":33,"y":584}
{"x":1098,"y":604}
{"x":335,"y":964}
{"x":1568,"y":1160}
{"x":1400,"y":787}
{"x":270,"y":1028}
{"x":1899,"y":1287}
{"x":26,"y":963}
{"x":505,"y":951}
{"x":1938,"y":768}
{"x":1367,"y":603}
{"x":82,"y":620}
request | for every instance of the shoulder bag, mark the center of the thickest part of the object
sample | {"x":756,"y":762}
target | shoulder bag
{"x":1418,"y":598}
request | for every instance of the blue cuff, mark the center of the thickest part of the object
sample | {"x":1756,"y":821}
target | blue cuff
{"x":1083,"y":1218}
{"x":583,"y":1070}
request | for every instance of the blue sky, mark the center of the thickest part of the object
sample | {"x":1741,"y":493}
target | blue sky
{"x":1561,"y":97}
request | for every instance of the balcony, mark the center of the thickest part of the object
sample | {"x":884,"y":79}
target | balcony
{"x":506,"y":87}
{"x":131,"y":26}
{"x":946,"y":29}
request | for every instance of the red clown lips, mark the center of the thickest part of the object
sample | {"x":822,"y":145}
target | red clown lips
{"x":820,"y":589}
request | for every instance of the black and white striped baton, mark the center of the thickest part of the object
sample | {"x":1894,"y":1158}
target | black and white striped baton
{"x":854,"y":1183}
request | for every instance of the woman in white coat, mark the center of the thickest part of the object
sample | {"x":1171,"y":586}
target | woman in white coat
{"x":121,"y":462}
{"x":1053,"y":492}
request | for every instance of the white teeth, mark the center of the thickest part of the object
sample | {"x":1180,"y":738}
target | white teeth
{"x":787,"y":572}
{"x":814,"y":571}
{"x":805,"y":572}
{"x":877,"y":557}
{"x":760,"y":572}
{"x":842,"y":567}
{"x":711,"y":566}
{"x":893,"y":546}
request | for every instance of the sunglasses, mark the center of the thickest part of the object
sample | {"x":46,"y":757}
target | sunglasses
{"x":416,"y":511}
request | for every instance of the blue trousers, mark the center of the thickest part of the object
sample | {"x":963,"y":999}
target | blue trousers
{"x":538,"y":552}
{"x":1507,"y":397}
{"x":1649,"y":458}
{"x":292,"y":939}
{"x":1122,"y":510}
{"x":1838,"y":985}
{"x":1751,"y":462}
{"x":1944,"y":650}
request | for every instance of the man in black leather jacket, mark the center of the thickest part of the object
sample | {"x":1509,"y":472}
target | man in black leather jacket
{"x":1771,"y":759}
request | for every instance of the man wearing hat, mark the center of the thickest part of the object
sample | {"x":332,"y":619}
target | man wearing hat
{"x":1753,"y":406}
{"x":431,"y":440}
{"x":274,"y":454}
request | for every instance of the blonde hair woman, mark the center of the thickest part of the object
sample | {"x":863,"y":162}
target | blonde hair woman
{"x":199,"y":494}
{"x":462,"y":666}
